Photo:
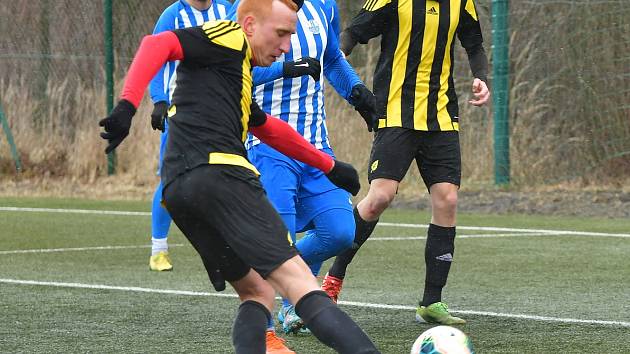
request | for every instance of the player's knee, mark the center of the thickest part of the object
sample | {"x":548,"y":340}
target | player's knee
{"x":343,"y":236}
{"x":446,"y":202}
{"x":377,"y":202}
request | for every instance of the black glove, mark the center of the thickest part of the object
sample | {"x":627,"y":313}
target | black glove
{"x":343,"y":175}
{"x":364,"y":102}
{"x":117,"y":124}
{"x":160,"y":109}
{"x":302,"y":66}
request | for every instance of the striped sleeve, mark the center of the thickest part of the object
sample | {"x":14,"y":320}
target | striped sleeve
{"x":157,"y":89}
{"x":469,"y":30}
{"x":371,"y":21}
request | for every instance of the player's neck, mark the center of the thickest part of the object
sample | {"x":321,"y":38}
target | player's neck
{"x":200,"y":5}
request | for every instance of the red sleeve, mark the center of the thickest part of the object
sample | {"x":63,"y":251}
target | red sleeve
{"x":154,"y":52}
{"x":280,"y":136}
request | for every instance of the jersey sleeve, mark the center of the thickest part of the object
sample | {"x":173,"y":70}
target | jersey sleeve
{"x":336,"y":68}
{"x":371,"y":21}
{"x":469,"y":30}
{"x":157,"y":88}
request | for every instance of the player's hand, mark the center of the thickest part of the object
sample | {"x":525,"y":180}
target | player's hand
{"x":343,"y":175}
{"x":303,"y":66}
{"x":117,"y":124}
{"x":481,"y":92}
{"x":158,"y":115}
{"x":364,"y":102}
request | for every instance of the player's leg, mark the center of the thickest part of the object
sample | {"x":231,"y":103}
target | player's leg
{"x":255,"y":232}
{"x":190,"y":199}
{"x":160,"y":221}
{"x":293,"y":280}
{"x":393,"y":150}
{"x":440,"y":167}
{"x":280,"y":176}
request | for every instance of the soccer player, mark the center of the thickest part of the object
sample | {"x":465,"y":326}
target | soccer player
{"x":181,"y":14}
{"x":415,"y":92}
{"x":304,"y":197}
{"x":210,"y":188}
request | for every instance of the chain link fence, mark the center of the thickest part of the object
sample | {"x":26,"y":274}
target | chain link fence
{"x":569,"y":91}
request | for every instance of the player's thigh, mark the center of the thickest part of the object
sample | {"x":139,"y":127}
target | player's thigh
{"x":186,"y":198}
{"x":439,"y":158}
{"x":163,"y":139}
{"x":240,"y":212}
{"x":279,"y":175}
{"x":311,"y":206}
{"x":393,"y":149}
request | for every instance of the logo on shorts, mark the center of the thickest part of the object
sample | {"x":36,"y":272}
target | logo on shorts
{"x":374,"y":166}
{"x":289,"y":239}
{"x":432,"y":11}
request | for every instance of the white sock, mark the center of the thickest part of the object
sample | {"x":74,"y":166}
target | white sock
{"x":158,"y":245}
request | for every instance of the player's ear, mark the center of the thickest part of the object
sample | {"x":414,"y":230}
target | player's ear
{"x":248,"y":25}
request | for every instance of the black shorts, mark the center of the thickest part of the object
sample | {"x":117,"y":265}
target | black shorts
{"x":437,"y":155}
{"x":225,"y":214}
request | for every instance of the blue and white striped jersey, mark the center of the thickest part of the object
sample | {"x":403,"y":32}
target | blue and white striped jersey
{"x":181,"y":15}
{"x":300,"y":101}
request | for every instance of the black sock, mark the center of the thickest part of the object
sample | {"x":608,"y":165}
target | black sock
{"x":332,"y":326}
{"x":438,"y":256}
{"x":250,"y":325}
{"x":363,"y":230}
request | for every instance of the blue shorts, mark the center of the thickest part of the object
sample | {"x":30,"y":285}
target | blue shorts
{"x":296,"y":188}
{"x":163,"y":138}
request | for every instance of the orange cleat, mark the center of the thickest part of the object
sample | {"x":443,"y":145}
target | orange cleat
{"x":275,"y":344}
{"x":332,"y":286}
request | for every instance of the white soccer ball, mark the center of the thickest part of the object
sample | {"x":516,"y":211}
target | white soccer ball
{"x":443,"y":340}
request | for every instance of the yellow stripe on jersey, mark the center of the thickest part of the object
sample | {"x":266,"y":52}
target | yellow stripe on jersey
{"x":225,"y":33}
{"x":220,"y":158}
{"x":429,"y":40}
{"x":373,"y":5}
{"x":399,"y":65}
{"x":470,"y":8}
{"x":444,"y":118}
{"x":246,"y":93}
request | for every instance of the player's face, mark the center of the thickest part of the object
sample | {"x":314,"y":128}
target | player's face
{"x":272,"y":36}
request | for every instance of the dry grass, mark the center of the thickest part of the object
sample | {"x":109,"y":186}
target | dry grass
{"x":569,"y":96}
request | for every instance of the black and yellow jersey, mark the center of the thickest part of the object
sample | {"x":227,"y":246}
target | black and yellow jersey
{"x":413,"y":80}
{"x":212,"y":103}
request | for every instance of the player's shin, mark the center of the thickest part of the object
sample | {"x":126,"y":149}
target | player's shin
{"x":325,"y":320}
{"x":363,"y":231}
{"x":438,"y":256}
{"x":249,"y":330}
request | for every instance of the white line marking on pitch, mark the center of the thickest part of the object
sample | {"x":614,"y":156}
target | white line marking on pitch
{"x":385,"y":224}
{"x":347,"y":303}
{"x":74,"y":249}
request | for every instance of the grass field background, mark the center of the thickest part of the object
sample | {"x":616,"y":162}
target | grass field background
{"x":75,"y":281}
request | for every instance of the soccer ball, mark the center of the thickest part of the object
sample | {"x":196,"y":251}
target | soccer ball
{"x":443,"y":340}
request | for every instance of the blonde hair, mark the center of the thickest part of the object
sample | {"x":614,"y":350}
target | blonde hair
{"x":260,"y":8}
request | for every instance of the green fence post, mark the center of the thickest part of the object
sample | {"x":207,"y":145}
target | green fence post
{"x":109,"y":74}
{"x":501,"y":91}
{"x":7,"y":132}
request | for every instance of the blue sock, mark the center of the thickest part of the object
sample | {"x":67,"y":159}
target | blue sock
{"x":333,"y":234}
{"x":160,"y":218}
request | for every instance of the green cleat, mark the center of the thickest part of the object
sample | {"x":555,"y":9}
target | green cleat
{"x":437,"y":313}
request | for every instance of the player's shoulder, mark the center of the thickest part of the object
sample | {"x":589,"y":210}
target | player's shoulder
{"x":225,"y":33}
{"x":223,"y":3}
{"x":173,"y":9}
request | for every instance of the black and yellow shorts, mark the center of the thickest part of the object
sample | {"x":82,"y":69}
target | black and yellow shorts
{"x":225,"y":214}
{"x":437,"y":154}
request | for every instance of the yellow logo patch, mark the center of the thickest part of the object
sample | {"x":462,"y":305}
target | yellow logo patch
{"x":374,"y":166}
{"x":290,"y":239}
